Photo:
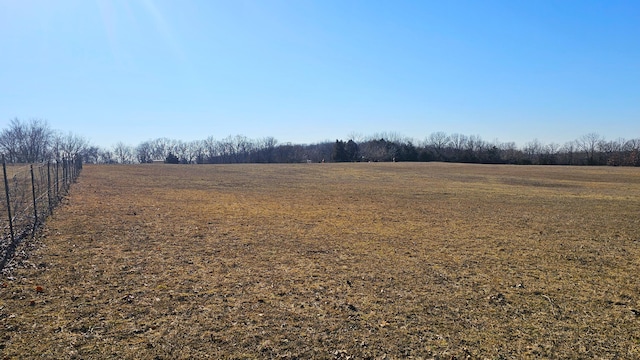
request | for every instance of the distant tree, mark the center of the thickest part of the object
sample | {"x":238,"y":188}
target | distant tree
{"x":549,"y":154}
{"x":509,"y":152}
{"x":569,"y":153}
{"x":493,"y":155}
{"x":377,"y":150}
{"x":589,"y":143}
{"x":195,"y":151}
{"x":427,"y":154}
{"x":630,"y":145}
{"x":68,"y":146}
{"x":171,"y":159}
{"x":91,"y":155}
{"x":285,"y":153}
{"x":267,"y":150}
{"x":26,"y":142}
{"x":532,"y":151}
{"x":472,"y":148}
{"x":211,"y":149}
{"x":10,"y":141}
{"x":144,"y":152}
{"x":611,"y":152}
{"x":339,"y":152}
{"x":105,"y":156}
{"x":244,"y":147}
{"x":161,"y":148}
{"x":123,"y":153}
{"x":475,"y":144}
{"x":438,"y":141}
{"x":631,"y":151}
{"x":319,"y":152}
{"x":227,"y":150}
{"x":351,"y":151}
{"x":457,"y":143}
{"x":407,"y":152}
{"x":181,"y":149}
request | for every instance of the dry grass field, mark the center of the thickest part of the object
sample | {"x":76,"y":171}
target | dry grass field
{"x":332,"y":261}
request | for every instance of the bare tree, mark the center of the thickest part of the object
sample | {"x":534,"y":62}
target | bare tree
{"x":161,"y":147}
{"x":180,"y":149}
{"x":532,"y":150}
{"x":123,"y":153}
{"x":196,"y":151}
{"x":458,"y":142}
{"x":632,"y":152}
{"x":243,"y":148}
{"x":356,"y":136}
{"x":68,"y":146}
{"x":589,"y":143}
{"x":144,"y":152}
{"x":439,"y":141}
{"x":211,"y":149}
{"x":26,"y":142}
{"x":227,"y":149}
{"x":552,"y":148}
{"x":612,"y":152}
{"x":106,"y":156}
{"x":509,"y":152}
{"x":268,"y":145}
{"x":10,"y":140}
{"x":549,"y":154}
{"x":475,"y":143}
{"x":91,"y":155}
{"x":631,"y":145}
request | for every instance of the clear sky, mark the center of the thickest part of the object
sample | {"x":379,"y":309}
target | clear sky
{"x":305,"y":71}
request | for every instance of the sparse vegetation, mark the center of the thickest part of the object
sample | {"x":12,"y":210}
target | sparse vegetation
{"x":335,"y":261}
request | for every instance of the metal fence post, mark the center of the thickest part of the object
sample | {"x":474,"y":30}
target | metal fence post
{"x":65,"y":175}
{"x":35,"y":206}
{"x":6,"y":190}
{"x":49,"y":186}
{"x":57,"y":182}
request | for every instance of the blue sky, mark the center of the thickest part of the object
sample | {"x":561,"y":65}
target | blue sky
{"x":306,"y":71}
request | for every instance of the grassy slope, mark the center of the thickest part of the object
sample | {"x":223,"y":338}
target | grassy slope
{"x":331,"y":261}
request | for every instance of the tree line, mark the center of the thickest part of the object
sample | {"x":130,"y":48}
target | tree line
{"x":589,"y":149}
{"x":34,"y":141}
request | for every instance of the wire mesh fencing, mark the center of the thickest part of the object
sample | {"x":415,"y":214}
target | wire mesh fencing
{"x":31,"y":192}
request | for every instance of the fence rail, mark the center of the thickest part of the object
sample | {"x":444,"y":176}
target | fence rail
{"x":31,"y":192}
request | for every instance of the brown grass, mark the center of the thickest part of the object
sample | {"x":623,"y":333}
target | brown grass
{"x":333,"y":261}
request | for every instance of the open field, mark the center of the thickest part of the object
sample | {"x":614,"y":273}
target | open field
{"x":393,"y":260}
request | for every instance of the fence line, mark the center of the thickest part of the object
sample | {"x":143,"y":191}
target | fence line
{"x":31,"y":192}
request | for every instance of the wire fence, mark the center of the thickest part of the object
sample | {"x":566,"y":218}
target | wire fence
{"x":31,"y":192}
